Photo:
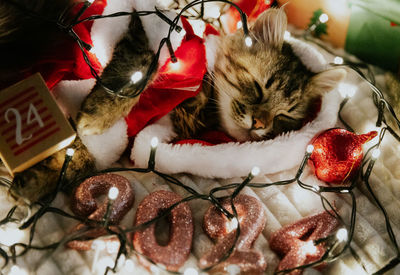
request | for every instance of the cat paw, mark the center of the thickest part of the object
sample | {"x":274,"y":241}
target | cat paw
{"x":92,"y":125}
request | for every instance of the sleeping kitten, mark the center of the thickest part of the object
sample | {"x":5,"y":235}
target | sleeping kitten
{"x":258,"y":92}
{"x":261,"y":91}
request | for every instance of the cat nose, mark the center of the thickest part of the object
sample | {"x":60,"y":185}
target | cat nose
{"x":258,"y":124}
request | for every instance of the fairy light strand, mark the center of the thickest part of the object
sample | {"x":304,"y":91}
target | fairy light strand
{"x":368,"y":162}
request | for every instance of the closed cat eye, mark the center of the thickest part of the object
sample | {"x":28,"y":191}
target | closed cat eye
{"x":259,"y":91}
{"x":284,"y":123}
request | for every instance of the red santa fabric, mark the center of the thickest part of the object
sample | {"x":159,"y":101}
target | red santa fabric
{"x":67,"y":63}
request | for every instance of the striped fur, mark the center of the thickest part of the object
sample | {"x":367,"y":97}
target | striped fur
{"x":264,"y":90}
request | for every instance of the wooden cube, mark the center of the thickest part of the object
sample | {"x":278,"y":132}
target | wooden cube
{"x":32,"y":126}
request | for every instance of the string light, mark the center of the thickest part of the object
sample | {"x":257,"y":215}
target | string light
{"x":190,"y":271}
{"x":342,"y":235}
{"x":287,"y":35}
{"x":239,"y":25}
{"x":323,"y":18}
{"x":375,"y":154}
{"x":90,"y":1}
{"x":338,"y":60}
{"x":255,"y":171}
{"x":232,"y":224}
{"x":309,"y":248}
{"x":309,"y":149}
{"x":175,"y":66}
{"x":154,"y":142}
{"x":136,"y":77}
{"x":70,"y":152}
{"x":113,"y":193}
{"x":248,"y":41}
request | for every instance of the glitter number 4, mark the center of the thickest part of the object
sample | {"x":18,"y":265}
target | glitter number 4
{"x":295,"y":242}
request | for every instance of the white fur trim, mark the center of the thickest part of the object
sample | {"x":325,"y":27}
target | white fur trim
{"x":107,"y":32}
{"x":211,"y":44}
{"x":232,"y":159}
{"x":108,"y":147}
{"x":70,"y":94}
{"x":310,"y":56}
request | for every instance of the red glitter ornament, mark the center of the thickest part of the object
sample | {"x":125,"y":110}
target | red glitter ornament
{"x":337,"y":154}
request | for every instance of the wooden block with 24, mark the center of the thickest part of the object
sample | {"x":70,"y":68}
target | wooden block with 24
{"x":32,"y":126}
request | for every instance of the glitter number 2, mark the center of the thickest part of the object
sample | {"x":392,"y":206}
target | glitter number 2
{"x":218,"y":227}
{"x":84,"y":204}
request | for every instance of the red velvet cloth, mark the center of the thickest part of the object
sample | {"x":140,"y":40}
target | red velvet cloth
{"x":67,"y":63}
{"x":252,"y":8}
{"x":171,"y":84}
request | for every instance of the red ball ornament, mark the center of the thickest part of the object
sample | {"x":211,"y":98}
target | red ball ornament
{"x":337,"y":154}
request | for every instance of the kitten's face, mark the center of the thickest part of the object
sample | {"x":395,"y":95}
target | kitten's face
{"x":265,"y":90}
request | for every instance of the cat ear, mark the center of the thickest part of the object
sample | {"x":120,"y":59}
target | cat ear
{"x":270,"y":27}
{"x":327,"y":80}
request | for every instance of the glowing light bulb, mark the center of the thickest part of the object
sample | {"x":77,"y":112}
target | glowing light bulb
{"x":136,"y":77}
{"x":154,"y":142}
{"x":376,"y":153}
{"x":232,"y":224}
{"x":347,"y":90}
{"x":239,"y":25}
{"x":70,"y":152}
{"x":310,"y":149}
{"x":309,"y":248}
{"x":190,"y":271}
{"x":338,"y":60}
{"x":342,"y":235}
{"x":90,"y":1}
{"x":175,"y":66}
{"x":287,"y":35}
{"x":255,"y":171}
{"x":323,"y":18}
{"x":248,"y":41}
{"x":113,"y":193}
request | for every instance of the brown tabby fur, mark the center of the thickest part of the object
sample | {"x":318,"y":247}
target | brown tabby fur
{"x":260,"y":83}
{"x":261,"y":91}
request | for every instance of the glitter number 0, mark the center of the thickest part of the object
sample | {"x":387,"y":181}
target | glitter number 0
{"x":84,"y":204}
{"x":175,"y":253}
{"x":217,"y":226}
